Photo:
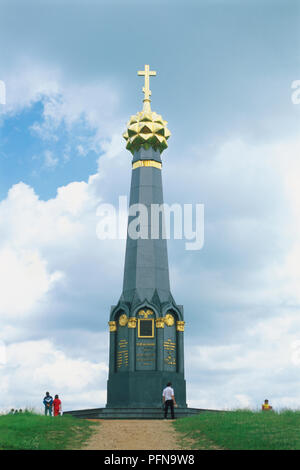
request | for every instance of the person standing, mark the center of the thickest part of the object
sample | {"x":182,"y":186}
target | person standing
{"x":48,"y":402}
{"x":169,"y":400}
{"x":56,"y":405}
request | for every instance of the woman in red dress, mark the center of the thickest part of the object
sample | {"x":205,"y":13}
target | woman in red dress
{"x":56,"y":405}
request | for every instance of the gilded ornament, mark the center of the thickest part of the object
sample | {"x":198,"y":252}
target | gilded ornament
{"x":112,"y":326}
{"x":131,"y":322}
{"x":169,"y":319}
{"x":153,"y":163}
{"x":160,"y":323}
{"x":145,"y":313}
{"x":180,"y":325}
{"x":123,"y":320}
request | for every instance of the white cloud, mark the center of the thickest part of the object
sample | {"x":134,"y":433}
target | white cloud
{"x":34,"y":367}
{"x":66,"y":373}
{"x":28,"y":83}
{"x":92,"y":105}
{"x":243,"y":401}
{"x":45,"y":244}
{"x":265,"y":364}
{"x":2,"y":353}
{"x":81,"y":150}
{"x":24,"y":280}
{"x":50,"y":160}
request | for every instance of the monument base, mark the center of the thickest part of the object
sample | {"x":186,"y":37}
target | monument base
{"x":143,"y":389}
{"x":134,"y":413}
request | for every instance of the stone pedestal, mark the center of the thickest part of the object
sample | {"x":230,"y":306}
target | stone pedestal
{"x":134,"y":413}
{"x":143,"y":389}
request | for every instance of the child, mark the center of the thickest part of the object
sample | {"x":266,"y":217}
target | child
{"x":56,"y":405}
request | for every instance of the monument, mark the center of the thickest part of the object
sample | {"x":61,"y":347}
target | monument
{"x":146,"y":326}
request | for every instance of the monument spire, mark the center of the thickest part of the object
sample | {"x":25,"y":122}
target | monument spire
{"x":146,"y":325}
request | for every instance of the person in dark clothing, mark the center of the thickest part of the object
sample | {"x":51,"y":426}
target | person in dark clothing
{"x":48,"y":402}
{"x":169,"y":400}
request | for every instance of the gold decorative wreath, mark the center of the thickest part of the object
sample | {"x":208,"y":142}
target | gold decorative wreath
{"x":169,"y":319}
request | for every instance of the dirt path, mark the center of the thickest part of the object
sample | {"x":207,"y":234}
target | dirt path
{"x":141,"y":434}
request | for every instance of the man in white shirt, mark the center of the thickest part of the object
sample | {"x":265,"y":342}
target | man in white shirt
{"x":169,"y":399}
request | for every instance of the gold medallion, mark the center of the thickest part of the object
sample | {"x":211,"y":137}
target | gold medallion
{"x":169,"y":319}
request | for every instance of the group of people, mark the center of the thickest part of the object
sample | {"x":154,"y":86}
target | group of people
{"x":51,"y":404}
{"x":168,"y":397}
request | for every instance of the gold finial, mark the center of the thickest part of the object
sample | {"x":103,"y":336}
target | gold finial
{"x":147,"y":73}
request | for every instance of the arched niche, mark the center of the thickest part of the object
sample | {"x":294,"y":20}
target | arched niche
{"x":170,"y":345}
{"x":121,"y":353}
{"x":145,"y":345}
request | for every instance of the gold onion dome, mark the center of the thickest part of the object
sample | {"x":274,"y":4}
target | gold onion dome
{"x":146,"y":129}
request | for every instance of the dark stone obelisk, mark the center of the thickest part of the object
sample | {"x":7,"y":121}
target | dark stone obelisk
{"x":146,"y":325}
{"x":146,"y":273}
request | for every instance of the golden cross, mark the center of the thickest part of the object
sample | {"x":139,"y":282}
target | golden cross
{"x":147,"y":73}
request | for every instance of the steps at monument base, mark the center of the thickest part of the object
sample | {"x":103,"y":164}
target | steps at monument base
{"x":133,"y":413}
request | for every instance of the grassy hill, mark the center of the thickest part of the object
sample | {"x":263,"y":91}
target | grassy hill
{"x":224,"y":430}
{"x":241,"y":430}
{"x":32,"y":431}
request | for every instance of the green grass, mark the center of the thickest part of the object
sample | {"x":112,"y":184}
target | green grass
{"x":236,"y":430}
{"x":36,"y":432}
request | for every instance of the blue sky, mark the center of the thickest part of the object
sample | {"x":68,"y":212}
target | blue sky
{"x":224,"y":75}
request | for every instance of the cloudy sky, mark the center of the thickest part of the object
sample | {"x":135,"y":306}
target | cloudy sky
{"x":224,"y":84}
